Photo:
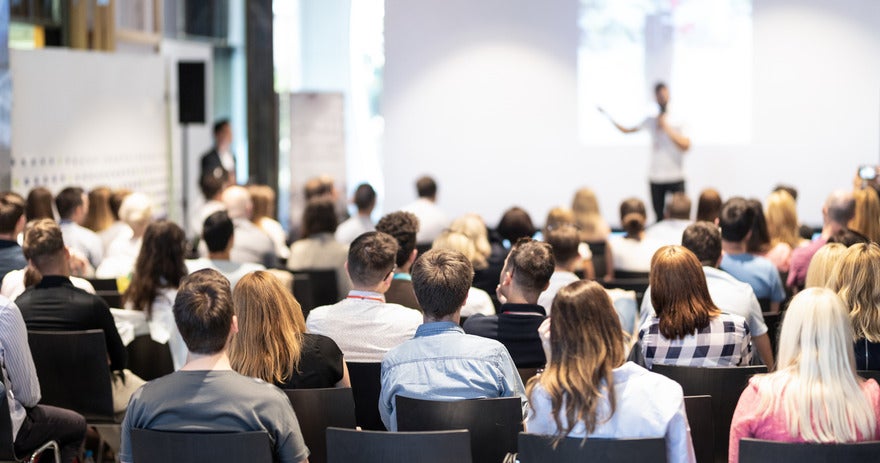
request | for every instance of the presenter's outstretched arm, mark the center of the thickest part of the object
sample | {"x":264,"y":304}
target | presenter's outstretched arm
{"x":680,"y":140}
{"x":619,"y":127}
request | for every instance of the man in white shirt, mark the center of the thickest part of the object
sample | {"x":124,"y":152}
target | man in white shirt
{"x":676,"y":218}
{"x":432,"y":221}
{"x":73,"y":206}
{"x":218,"y":234}
{"x":252,"y":244}
{"x":365,"y":201}
{"x":564,"y":241}
{"x":364,"y":326}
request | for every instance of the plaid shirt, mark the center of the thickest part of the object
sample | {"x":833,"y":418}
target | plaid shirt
{"x":723,"y":343}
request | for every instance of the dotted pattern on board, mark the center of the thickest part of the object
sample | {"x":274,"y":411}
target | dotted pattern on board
{"x":144,"y":172}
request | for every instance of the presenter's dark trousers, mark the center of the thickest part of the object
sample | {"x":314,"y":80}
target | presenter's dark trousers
{"x":658,"y":195}
{"x":44,"y":423}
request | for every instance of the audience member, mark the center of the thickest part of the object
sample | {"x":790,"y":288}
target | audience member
{"x":263,"y":216}
{"x":365,"y":201}
{"x":321,"y":186}
{"x":632,"y":251}
{"x":676,"y":218}
{"x":363,"y":324}
{"x":866,"y":217}
{"x":689,"y":329}
{"x":39,"y":204}
{"x":737,"y":221}
{"x":838,"y":210}
{"x":822,"y":265}
{"x":12,"y":222}
{"x":782,"y":227}
{"x":219,"y":161}
{"x":759,"y":238}
{"x":99,"y":217}
{"x":206,"y":394}
{"x":848,"y":238}
{"x":272,"y":343}
{"x":73,"y":206}
{"x":109,"y":234}
{"x":318,"y":249}
{"x":594,"y":231}
{"x":814,"y":395}
{"x":218,"y":233}
{"x":564,"y":217}
{"x":585,"y":352}
{"x":442,"y":362}
{"x":212,"y":190}
{"x":516,"y":223}
{"x":855,"y":279}
{"x":253,"y":244}
{"x":403,"y":227}
{"x":136,"y":211}
{"x":478,"y":301}
{"x":805,"y":232}
{"x":488,"y":244}
{"x":709,"y":205}
{"x":432,"y":220}
{"x":526,"y":275}
{"x":564,"y":243}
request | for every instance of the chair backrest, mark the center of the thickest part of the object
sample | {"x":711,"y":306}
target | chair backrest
{"x":699,"y":415}
{"x":494,"y":423}
{"x":535,"y":448}
{"x":150,"y":446}
{"x":725,"y":385}
{"x":7,"y":448}
{"x":870,"y":374}
{"x":322,"y":288}
{"x":762,"y":451}
{"x":764,"y":302}
{"x":318,"y":409}
{"x":638,"y":285}
{"x":599,"y":249}
{"x":104,"y":284}
{"x":774,"y":323}
{"x":73,"y":371}
{"x":350,"y":446}
{"x":149,"y":359}
{"x":366,"y":384}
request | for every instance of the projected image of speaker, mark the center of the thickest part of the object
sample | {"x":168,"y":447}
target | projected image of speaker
{"x":191,"y":92}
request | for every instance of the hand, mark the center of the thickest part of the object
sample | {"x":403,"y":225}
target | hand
{"x":544,"y":334}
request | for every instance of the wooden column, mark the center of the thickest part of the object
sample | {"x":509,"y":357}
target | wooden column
{"x":262,"y":112}
{"x":5,"y":100}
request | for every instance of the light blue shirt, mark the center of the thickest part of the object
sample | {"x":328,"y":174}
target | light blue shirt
{"x":443,"y":363}
{"x":758,"y":272}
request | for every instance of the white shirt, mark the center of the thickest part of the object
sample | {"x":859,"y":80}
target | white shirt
{"x":632,"y":255}
{"x":666,"y":156}
{"x":432,"y":221}
{"x":478,"y":302}
{"x":729,"y":294}
{"x":120,"y":257}
{"x":83,"y":240}
{"x":364,"y":326}
{"x":108,"y":235}
{"x":197,"y":220}
{"x":162,"y":328}
{"x":558,"y":280}
{"x":276,"y":232}
{"x":353,"y":227}
{"x":321,"y":252}
{"x":13,"y":284}
{"x":233,"y":271}
{"x":666,"y":232}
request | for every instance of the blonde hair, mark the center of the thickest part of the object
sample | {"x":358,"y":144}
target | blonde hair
{"x":867,"y":214}
{"x":455,"y":241}
{"x":558,"y":217}
{"x":263,"y":198}
{"x":815,"y":384}
{"x":822,"y":264}
{"x":99,"y":217}
{"x":268,"y":344}
{"x":782,"y":219}
{"x":855,"y":279}
{"x":472,"y":226}
{"x":587,"y":216}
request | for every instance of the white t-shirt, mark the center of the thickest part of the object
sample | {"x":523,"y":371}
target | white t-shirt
{"x":666,"y":156}
{"x":632,"y":255}
{"x":432,"y":221}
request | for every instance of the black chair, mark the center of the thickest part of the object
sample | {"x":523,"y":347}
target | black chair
{"x":535,"y":448}
{"x":725,"y":385}
{"x":638,"y":285}
{"x":527,"y":373}
{"x":314,"y":288}
{"x":149,"y":359}
{"x":366,"y":386}
{"x":318,"y":409}
{"x":625,"y":275}
{"x":7,"y":443}
{"x":599,"y":249}
{"x":765,"y":304}
{"x":104,"y":284}
{"x":493,"y":423}
{"x":149,"y":446}
{"x":870,"y":374}
{"x":349,"y":446}
{"x":761,"y":451}
{"x":774,"y":323}
{"x":699,"y":414}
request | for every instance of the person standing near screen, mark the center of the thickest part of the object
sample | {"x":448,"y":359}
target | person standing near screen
{"x":219,"y":160}
{"x":668,"y":145}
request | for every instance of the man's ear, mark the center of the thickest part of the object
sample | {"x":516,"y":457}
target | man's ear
{"x":412,"y":256}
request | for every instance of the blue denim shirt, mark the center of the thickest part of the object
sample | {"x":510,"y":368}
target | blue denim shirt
{"x":443,"y":363}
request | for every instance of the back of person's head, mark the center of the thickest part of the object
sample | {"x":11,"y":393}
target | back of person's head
{"x":459,"y":242}
{"x":587,"y":217}
{"x":559,"y":217}
{"x":319,"y":186}
{"x":68,"y":200}
{"x":403,"y":227}
{"x":473,"y":226}
{"x":43,"y":243}
{"x":319,"y":216}
{"x":736,"y":219}
{"x":268,"y":344}
{"x":116,"y":197}
{"x":441,"y":280}
{"x":564,"y":242}
{"x":159,"y":264}
{"x":39,"y":204}
{"x":854,"y":277}
{"x":238,"y":202}
{"x":822,"y":265}
{"x":586,"y":345}
{"x":11,"y":211}
{"x":211,"y":186}
{"x":217,"y":231}
{"x":782,"y":219}
{"x":679,"y":292}
{"x":633,"y":216}
{"x":792,"y":191}
{"x":759,"y":240}
{"x":371,"y":258}
{"x":364,"y":197}
{"x":815,"y":384}
{"x":840,"y":207}
{"x":704,"y":240}
{"x":709,"y":205}
{"x":867,"y":214}
{"x":136,"y":210}
{"x":531,"y":264}
{"x":263,"y":199}
{"x":203,"y":311}
{"x":426,"y":187}
{"x":679,"y":207}
{"x":99,"y":217}
{"x":848,"y":237}
{"x":515,"y":224}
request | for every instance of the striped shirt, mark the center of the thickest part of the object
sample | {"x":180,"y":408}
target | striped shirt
{"x":724,"y":342}
{"x":19,"y":373}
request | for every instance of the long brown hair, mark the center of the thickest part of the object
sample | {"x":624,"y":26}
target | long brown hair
{"x":679,"y":293}
{"x":99,"y":217}
{"x":270,"y":329}
{"x":586,"y":345}
{"x":160,"y":264}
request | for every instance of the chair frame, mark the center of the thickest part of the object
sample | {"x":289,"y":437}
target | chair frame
{"x":247,"y":445}
{"x":7,"y":443}
{"x":536,"y":448}
{"x":409,"y":446}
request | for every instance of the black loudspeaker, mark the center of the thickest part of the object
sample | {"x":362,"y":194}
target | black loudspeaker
{"x":191,"y":92}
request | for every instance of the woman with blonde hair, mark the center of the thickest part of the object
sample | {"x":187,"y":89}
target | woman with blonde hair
{"x":589,"y":390}
{"x":855,"y":279}
{"x":488,"y":244}
{"x":867,"y":217}
{"x":472,"y":226}
{"x":688,"y":329}
{"x":263,"y":216}
{"x":594,"y":231}
{"x":137,"y":213}
{"x":478,"y":301}
{"x":783,"y":228}
{"x":272,"y":343}
{"x":822,"y":265}
{"x":814,"y":395}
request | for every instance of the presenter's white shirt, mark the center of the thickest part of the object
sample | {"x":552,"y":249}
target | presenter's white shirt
{"x":666,"y":156}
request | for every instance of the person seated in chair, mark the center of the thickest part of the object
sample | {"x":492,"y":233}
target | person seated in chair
{"x":219,"y":235}
{"x":404,"y":227}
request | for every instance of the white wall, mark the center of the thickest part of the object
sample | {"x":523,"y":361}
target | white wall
{"x":482,"y":95}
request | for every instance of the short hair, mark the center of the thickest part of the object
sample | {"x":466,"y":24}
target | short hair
{"x":441,"y":280}
{"x":39,"y":204}
{"x":515,"y":224}
{"x":736,"y":219}
{"x":318,"y":186}
{"x":42,"y":241}
{"x":319,"y":216}
{"x":11,"y":211}
{"x":203,"y":311}
{"x":403,"y":227}
{"x":704,"y":240}
{"x":68,"y":200}
{"x":531,"y":263}
{"x":659,"y":85}
{"x":633,"y":216}
{"x":220,"y":125}
{"x":217,"y":231}
{"x":564,"y":242}
{"x":371,"y":258}
{"x":709,"y":205}
{"x":238,"y":202}
{"x":840,"y":207}
{"x":848,"y":237}
{"x":788,"y":189}
{"x":364,"y":197}
{"x":210,"y":185}
{"x":426,"y":187}
{"x":679,"y":207}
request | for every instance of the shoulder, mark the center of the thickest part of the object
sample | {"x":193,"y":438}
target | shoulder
{"x":403,"y":312}
{"x":479,"y":321}
{"x":322,"y":344}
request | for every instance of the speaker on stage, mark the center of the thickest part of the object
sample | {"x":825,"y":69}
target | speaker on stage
{"x":191,"y":92}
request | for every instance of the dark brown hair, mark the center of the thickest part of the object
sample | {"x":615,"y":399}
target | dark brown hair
{"x":531,"y":263}
{"x":68,"y":200}
{"x":11,"y":211}
{"x":441,"y":280}
{"x":633,"y":217}
{"x":515,"y":224}
{"x":679,"y":293}
{"x":319,"y":217}
{"x":99,"y":217}
{"x":402,"y":226}
{"x":708,"y":205}
{"x":371,"y":258}
{"x":203,"y":311}
{"x":39,"y":204}
{"x":160,"y":264}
